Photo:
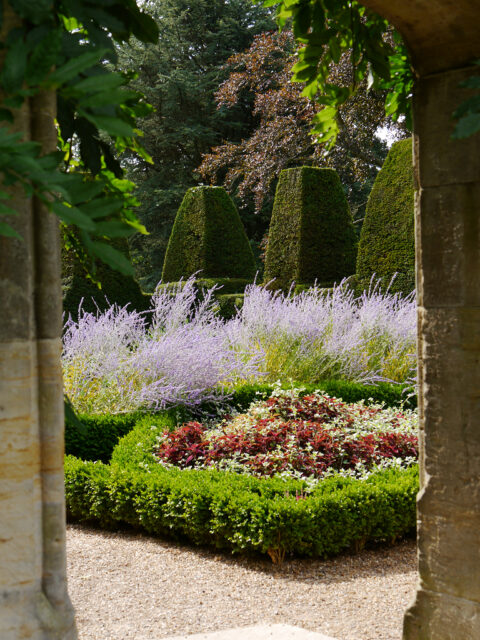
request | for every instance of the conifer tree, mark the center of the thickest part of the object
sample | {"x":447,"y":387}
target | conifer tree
{"x":179,"y":76}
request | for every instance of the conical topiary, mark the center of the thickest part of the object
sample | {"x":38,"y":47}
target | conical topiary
{"x":208,"y":237}
{"x":311,"y":235}
{"x":387,"y":240}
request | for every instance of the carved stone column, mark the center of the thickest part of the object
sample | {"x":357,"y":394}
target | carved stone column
{"x":443,"y":40}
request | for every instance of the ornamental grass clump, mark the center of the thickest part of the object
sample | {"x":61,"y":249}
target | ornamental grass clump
{"x":308,"y":437}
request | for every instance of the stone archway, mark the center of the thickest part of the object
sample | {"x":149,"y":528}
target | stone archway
{"x":443,"y":40}
{"x":442,"y":37}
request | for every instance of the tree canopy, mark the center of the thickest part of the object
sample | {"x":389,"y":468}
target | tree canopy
{"x":282,"y":138}
{"x":179,"y":76}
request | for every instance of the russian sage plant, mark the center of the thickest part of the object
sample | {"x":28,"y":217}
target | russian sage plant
{"x":119,"y":360}
{"x":181,"y":352}
{"x":321,"y":334}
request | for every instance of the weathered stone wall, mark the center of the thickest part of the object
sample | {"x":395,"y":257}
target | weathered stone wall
{"x":448,"y":262}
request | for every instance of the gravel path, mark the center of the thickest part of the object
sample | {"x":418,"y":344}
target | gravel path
{"x":130,"y":586}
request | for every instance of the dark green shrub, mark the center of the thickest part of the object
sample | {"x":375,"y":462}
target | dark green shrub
{"x":229,"y":296}
{"x":387,"y":240}
{"x":101,"y":433}
{"x":208,"y":237}
{"x":311,"y":235}
{"x":300,"y":288}
{"x":116,"y":287}
{"x":391,"y":394}
{"x":225,"y":285}
{"x":236,"y":512}
{"x":99,"y":436}
{"x":229,"y":304}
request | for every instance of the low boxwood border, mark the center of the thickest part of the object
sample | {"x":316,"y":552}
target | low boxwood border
{"x":392,"y":395}
{"x":236,"y":512}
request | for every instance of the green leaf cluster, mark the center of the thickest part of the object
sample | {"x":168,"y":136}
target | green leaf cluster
{"x":63,"y":46}
{"x":116,"y":287}
{"x":328,"y":29}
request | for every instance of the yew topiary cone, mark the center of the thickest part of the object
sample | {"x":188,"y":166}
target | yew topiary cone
{"x":387,"y":240}
{"x":208,"y":236}
{"x":311,"y":235}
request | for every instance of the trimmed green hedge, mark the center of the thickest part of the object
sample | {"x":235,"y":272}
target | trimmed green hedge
{"x":116,"y":287}
{"x":390,"y":394}
{"x":240,"y":513}
{"x":101,"y":433}
{"x":387,"y":239}
{"x":311,"y":235}
{"x":229,"y":304}
{"x":208,"y":236}
{"x":229,"y":297}
{"x":228,"y":285}
{"x":99,"y":436}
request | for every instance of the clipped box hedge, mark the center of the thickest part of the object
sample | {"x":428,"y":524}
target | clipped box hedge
{"x":101,"y":433}
{"x":229,"y":296}
{"x":392,"y":395}
{"x":387,"y":240}
{"x":311,"y":236}
{"x":225,"y":285}
{"x":235,"y":512}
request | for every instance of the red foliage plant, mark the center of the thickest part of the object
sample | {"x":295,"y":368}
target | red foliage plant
{"x":307,"y":436}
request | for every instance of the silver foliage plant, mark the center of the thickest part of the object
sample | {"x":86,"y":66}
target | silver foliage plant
{"x":181,"y":352}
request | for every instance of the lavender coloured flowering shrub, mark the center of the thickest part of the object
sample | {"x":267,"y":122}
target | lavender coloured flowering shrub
{"x":117,"y":361}
{"x":325,"y":334}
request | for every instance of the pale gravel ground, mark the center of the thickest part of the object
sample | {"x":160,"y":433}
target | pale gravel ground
{"x":129,"y":586}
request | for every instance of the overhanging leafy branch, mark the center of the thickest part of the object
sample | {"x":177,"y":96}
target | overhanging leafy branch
{"x":329,"y":28}
{"x":65,"y":46}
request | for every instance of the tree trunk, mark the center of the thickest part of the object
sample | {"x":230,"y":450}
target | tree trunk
{"x":35,"y":602}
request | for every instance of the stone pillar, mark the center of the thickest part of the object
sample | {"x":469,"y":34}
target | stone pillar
{"x":34,"y":602}
{"x":447,"y":604}
{"x":442,"y":37}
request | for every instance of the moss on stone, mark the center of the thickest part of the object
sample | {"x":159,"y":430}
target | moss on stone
{"x":208,"y":237}
{"x":387,"y":240}
{"x":311,"y":235}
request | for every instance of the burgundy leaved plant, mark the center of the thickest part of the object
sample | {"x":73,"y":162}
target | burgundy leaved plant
{"x":304,"y":437}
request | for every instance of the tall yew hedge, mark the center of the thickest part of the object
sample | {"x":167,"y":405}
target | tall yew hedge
{"x":208,"y":236}
{"x":387,"y":240}
{"x":311,"y":235}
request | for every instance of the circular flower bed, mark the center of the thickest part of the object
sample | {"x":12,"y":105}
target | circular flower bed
{"x":310,"y":437}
